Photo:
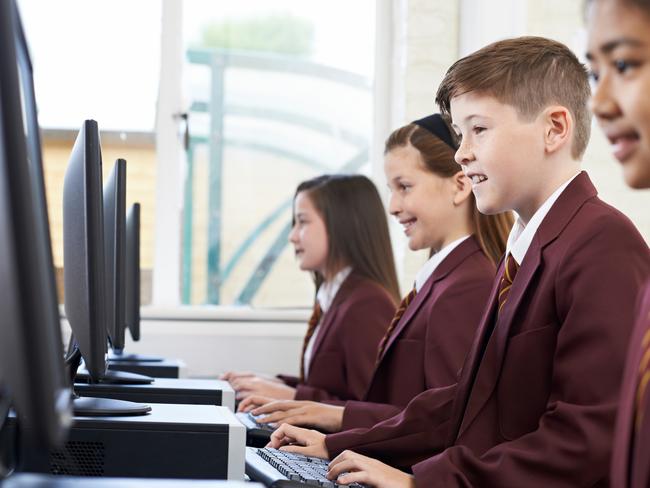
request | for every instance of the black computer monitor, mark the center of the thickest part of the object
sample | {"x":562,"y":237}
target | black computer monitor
{"x":31,"y":349}
{"x":94,"y":240}
{"x":132,"y":286}
{"x":115,"y":249}
{"x":84,"y":270}
{"x":83,"y":250}
{"x":133,"y":271}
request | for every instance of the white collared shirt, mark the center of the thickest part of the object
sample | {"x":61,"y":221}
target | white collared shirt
{"x":521,"y":235}
{"x":325,"y":297}
{"x":434,"y":261}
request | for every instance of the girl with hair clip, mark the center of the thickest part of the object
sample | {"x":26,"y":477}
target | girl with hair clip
{"x":619,"y":58}
{"x":340,"y":234}
{"x":429,"y":337}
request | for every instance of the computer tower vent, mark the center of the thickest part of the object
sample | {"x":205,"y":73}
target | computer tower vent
{"x":78,"y":459}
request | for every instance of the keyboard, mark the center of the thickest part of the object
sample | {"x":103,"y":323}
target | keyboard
{"x":257,"y":435}
{"x":250,"y":422}
{"x":280,"y":469}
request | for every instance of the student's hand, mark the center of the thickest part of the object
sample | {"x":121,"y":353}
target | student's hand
{"x":304,"y":413}
{"x":254,"y":385}
{"x":367,"y":471}
{"x":232,"y":375}
{"x":301,"y":441}
{"x":254,"y":401}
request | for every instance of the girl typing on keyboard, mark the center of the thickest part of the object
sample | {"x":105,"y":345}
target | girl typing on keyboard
{"x":340,"y":235}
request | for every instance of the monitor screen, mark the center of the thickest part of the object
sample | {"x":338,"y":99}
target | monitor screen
{"x":84,"y":262}
{"x":31,"y":350}
{"x":133,"y":271}
{"x":115,"y":247}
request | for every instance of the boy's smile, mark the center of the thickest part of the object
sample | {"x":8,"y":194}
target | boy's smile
{"x":476,"y":178}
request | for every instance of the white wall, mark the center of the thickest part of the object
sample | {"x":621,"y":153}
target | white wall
{"x":423,"y":43}
{"x":211,"y":340}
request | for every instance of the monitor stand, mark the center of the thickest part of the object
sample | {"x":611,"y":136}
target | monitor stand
{"x":115,"y":378}
{"x":106,"y":407}
{"x":94,"y":407}
{"x":119,"y":356}
{"x":5,"y":406}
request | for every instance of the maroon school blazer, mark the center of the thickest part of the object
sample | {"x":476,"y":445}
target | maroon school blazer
{"x":536,"y":401}
{"x":631,"y":458}
{"x":347,"y":339}
{"x":428,"y":346}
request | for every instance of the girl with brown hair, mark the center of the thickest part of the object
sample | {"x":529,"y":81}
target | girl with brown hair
{"x":340,"y":234}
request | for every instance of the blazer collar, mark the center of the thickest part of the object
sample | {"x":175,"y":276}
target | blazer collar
{"x":348,"y":285}
{"x":567,"y":205}
{"x":465,"y":249}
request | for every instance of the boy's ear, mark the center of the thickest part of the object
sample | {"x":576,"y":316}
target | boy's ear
{"x":558,"y":128}
{"x":462,"y":187}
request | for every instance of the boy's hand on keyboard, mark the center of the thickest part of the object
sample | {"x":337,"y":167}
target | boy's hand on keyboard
{"x":254,"y":401}
{"x":350,"y":467}
{"x":254,"y":385}
{"x":301,"y":441}
{"x":303,"y":413}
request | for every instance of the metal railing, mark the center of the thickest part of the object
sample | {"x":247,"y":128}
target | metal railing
{"x":219,"y":61}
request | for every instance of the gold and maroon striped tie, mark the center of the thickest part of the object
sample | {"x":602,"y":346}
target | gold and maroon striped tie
{"x":643,"y":378}
{"x":316,"y":314}
{"x":510,"y":270}
{"x":396,"y":318}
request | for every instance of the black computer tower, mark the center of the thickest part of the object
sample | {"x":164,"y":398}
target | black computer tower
{"x":28,"y":480}
{"x":173,"y":441}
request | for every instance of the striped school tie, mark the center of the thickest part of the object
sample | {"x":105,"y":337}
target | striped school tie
{"x":509,"y":272}
{"x":644,"y":377}
{"x":316,"y":315}
{"x":393,"y":323}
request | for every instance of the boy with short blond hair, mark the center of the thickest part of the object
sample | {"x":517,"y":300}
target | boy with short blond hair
{"x":535,"y":402}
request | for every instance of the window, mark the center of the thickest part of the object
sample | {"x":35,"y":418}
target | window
{"x":97,"y":59}
{"x":276,"y":93}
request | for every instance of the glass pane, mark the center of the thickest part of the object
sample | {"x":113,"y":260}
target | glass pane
{"x":277,"y":94}
{"x":98,"y":59}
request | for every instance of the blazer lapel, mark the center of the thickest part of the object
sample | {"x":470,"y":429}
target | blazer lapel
{"x":473,"y":362}
{"x":411,"y":310}
{"x":457,"y":256}
{"x":344,"y":291}
{"x":565,"y":207}
{"x":490,"y":367}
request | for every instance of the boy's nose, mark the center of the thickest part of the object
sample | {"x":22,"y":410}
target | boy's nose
{"x":464,"y":153}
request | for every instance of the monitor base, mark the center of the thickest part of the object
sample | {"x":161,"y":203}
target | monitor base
{"x":116,"y":378}
{"x":141,"y":358}
{"x":106,"y":407}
